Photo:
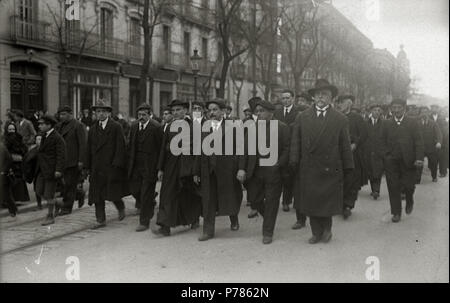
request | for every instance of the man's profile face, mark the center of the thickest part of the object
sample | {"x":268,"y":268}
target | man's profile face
{"x":167,"y":116}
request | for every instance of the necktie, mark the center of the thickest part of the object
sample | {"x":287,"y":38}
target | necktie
{"x":141,"y":128}
{"x":321,"y":114}
{"x":285,"y":111}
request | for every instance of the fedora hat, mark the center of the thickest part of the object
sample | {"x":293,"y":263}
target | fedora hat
{"x":102,"y":105}
{"x":220,"y":102}
{"x":48,"y":119}
{"x":323,"y":84}
{"x":345,"y":97}
{"x":144,"y":106}
{"x":374,"y":105}
{"x":178,"y":102}
{"x":65,"y":108}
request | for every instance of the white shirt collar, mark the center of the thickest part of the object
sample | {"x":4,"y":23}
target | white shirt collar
{"x":103,"y":123}
{"x":323,"y":110}
{"x":399,"y":120}
{"x":435,"y":116}
{"x":255,"y":117}
{"x":288,"y":108}
{"x":374,"y":120}
{"x":216,"y":124}
{"x":48,"y":133}
{"x":145,"y":124}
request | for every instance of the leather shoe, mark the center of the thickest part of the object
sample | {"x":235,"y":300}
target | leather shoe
{"x":141,"y":228}
{"x":314,"y":240}
{"x":253,"y":214}
{"x":267,"y":240}
{"x":347,"y":212}
{"x":121,"y":214}
{"x":409,"y":208}
{"x":396,"y":218}
{"x":80,"y":203}
{"x":162,"y":231}
{"x":48,"y":221}
{"x":326,"y":237}
{"x":99,"y":225}
{"x":64,"y":212}
{"x":442,"y":175}
{"x":205,"y":237}
{"x":298,"y":225}
{"x":234,"y":227}
{"x":286,"y":207}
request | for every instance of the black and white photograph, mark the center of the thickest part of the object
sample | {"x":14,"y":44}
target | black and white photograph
{"x":234,"y":144}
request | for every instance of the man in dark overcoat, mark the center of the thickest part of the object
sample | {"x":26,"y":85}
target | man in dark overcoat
{"x":75,"y":137}
{"x":373,"y":150}
{"x":403,"y":153}
{"x":106,"y":164}
{"x":220,"y":175}
{"x":321,"y":153}
{"x":264,"y":182}
{"x":178,"y":200}
{"x":287,"y":115}
{"x":144,"y":148}
{"x":432,"y":139}
{"x":358,"y":136}
{"x":50,"y":166}
{"x":437,"y":115}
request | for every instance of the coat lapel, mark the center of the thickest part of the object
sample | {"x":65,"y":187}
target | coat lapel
{"x":329,"y":113}
{"x":104,"y":138}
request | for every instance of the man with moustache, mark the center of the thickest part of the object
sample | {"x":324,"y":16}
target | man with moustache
{"x":167,"y":118}
{"x":321,"y":154}
{"x":220,"y":176}
{"x":144,"y":148}
{"x":373,"y":152}
{"x":287,"y":115}
{"x":106,"y":164}
{"x":75,"y":137}
{"x":178,"y":203}
{"x":358,"y":136}
{"x":403,"y":153}
{"x":264,"y":182}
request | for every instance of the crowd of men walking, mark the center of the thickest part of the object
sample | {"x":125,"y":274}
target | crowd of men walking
{"x":328,"y":149}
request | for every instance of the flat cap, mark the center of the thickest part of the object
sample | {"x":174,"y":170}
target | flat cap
{"x":48,"y":119}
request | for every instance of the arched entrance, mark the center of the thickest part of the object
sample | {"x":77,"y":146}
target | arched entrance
{"x":27,"y":86}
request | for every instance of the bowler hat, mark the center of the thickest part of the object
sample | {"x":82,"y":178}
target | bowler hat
{"x":345,"y":97}
{"x":220,"y":102}
{"x":144,"y":106}
{"x":373,"y":105}
{"x":102,"y":105}
{"x":305,"y":96}
{"x":178,"y":102}
{"x":48,"y":119}
{"x":399,"y":101}
{"x":323,"y":84}
{"x":65,"y":108}
{"x":266,"y":104}
{"x":199,"y":103}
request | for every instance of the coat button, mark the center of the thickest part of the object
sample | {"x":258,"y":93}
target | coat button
{"x":327,"y":169}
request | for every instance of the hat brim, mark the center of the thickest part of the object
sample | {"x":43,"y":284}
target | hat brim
{"x":333,"y":89}
{"x":102,"y":107}
{"x":221,"y":105}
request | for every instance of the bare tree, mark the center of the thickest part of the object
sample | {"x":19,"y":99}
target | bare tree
{"x":152,"y":12}
{"x":300,"y":35}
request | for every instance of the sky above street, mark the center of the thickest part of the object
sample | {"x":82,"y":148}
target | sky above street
{"x":422,"y":26}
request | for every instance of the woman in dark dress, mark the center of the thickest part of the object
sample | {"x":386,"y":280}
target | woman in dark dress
{"x":17,"y":149}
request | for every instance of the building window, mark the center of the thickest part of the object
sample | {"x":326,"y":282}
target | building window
{"x":166,"y":44}
{"x":106,"y":26}
{"x":91,"y":87}
{"x":187,"y":48}
{"x":135,"y":31}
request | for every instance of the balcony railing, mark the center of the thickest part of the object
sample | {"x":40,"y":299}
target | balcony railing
{"x":42,"y":34}
{"x":192,"y":13}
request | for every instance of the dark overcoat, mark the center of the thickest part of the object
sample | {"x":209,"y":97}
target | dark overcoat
{"x":431,"y":135}
{"x":106,"y":161}
{"x":74,"y":135}
{"x":179,"y":203}
{"x":408,"y":137}
{"x":152,"y":139}
{"x":229,"y":189}
{"x":358,"y":136}
{"x":373,"y":149}
{"x":321,"y":156}
{"x":51,"y":156}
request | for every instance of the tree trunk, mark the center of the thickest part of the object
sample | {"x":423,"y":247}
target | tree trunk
{"x":146,"y":62}
{"x":223,"y":77}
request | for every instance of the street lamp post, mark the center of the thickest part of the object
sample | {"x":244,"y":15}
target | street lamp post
{"x":195,"y":62}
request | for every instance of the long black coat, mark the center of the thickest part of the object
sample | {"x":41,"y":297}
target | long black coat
{"x":179,"y":203}
{"x":289,"y":119}
{"x":229,"y":191}
{"x":106,"y":160}
{"x":373,"y":149}
{"x":152,"y":141}
{"x":74,"y":135}
{"x":321,"y":156}
{"x":358,"y":136}
{"x":51,"y":156}
{"x":431,"y":135}
{"x":407,"y":136}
